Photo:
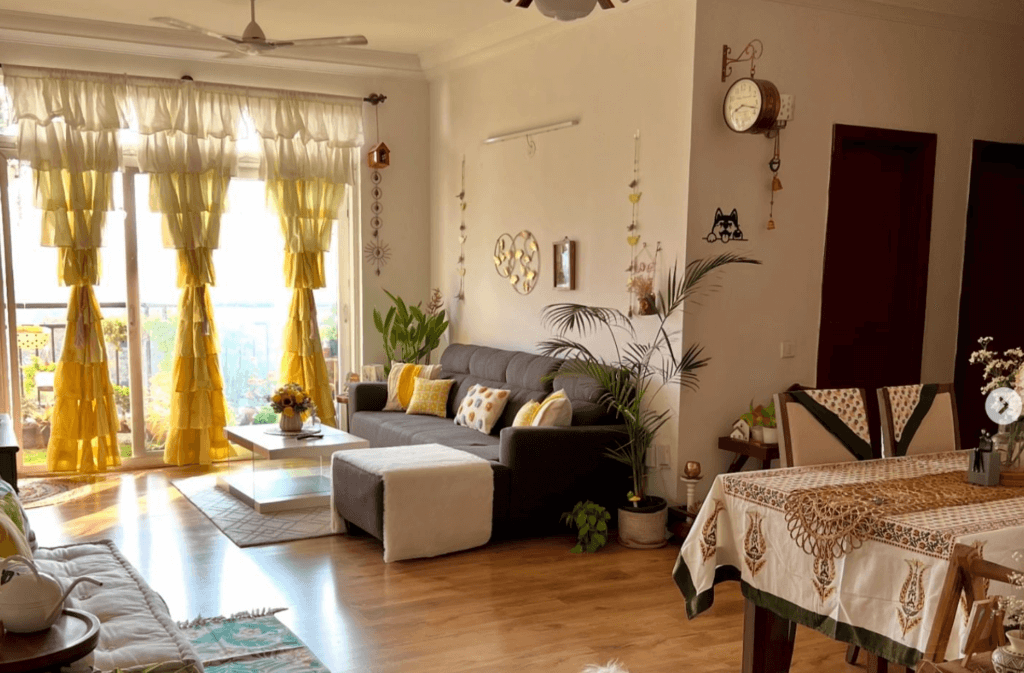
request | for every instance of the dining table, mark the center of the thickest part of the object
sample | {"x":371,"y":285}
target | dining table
{"x":858,"y":551}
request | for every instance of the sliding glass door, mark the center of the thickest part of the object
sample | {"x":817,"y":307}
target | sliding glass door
{"x":139,"y":300}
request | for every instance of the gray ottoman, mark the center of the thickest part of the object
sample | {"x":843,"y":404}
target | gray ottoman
{"x":421,"y":501}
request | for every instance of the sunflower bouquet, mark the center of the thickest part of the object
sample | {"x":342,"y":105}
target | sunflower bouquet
{"x":290,"y":400}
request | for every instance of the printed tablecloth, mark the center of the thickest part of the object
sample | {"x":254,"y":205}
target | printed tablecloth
{"x":858,"y":551}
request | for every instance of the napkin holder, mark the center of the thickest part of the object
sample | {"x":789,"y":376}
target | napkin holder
{"x":984,"y":464}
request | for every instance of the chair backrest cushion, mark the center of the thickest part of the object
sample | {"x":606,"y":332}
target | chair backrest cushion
{"x":918,"y":419}
{"x":808,"y":442}
{"x":823,"y":426}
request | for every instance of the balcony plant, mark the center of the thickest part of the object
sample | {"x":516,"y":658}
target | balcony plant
{"x":410,"y":333}
{"x":635,"y":372}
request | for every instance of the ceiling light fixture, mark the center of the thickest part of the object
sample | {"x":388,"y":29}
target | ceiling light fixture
{"x":566,"y":10}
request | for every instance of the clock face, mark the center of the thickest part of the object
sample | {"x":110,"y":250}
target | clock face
{"x":1004,"y":406}
{"x":743,"y":105}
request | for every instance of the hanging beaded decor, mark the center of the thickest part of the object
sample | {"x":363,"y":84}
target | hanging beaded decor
{"x":376,"y":251}
{"x":461,"y":268}
{"x":643,"y":262}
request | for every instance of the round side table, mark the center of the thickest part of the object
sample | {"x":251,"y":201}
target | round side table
{"x":74,"y":635}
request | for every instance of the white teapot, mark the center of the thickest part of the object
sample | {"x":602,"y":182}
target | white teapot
{"x":32,"y":602}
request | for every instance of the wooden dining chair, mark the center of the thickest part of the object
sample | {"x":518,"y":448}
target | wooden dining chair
{"x":966,"y":576}
{"x":817,"y":427}
{"x":918,"y":419}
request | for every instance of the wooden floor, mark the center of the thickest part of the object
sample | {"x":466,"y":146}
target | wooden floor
{"x":510,"y":606}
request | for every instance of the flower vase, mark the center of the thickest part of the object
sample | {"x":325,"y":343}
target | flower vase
{"x":291,"y":423}
{"x":1011,"y":451}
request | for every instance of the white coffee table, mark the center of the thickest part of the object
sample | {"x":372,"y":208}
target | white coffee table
{"x":274,"y":490}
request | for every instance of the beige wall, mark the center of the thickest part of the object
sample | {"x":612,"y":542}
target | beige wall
{"x":617,"y":72}
{"x":843,"y":68}
{"x":403,"y":122}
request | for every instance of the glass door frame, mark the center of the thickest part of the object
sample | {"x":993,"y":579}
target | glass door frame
{"x":348,"y":293}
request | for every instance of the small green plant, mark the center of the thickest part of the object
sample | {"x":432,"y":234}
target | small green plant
{"x":264,"y":415}
{"x":123,"y":399}
{"x":591,"y":523}
{"x":29,"y":374}
{"x":760,"y":415}
{"x":410,"y":333}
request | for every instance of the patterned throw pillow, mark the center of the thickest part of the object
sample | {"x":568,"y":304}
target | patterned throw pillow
{"x":401,"y":383}
{"x":554,"y":412}
{"x":481,"y":408}
{"x":430,"y":397}
{"x":526,"y":414}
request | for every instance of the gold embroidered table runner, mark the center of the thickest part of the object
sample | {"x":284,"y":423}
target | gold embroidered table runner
{"x":857,"y":550}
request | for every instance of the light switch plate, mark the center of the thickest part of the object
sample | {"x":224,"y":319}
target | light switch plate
{"x":787,"y":109}
{"x":786,"y":350}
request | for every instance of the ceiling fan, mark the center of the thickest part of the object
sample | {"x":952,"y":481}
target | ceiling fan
{"x":566,"y":10}
{"x":254,"y":41}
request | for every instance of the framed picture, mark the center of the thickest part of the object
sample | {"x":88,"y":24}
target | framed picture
{"x":565,"y":265}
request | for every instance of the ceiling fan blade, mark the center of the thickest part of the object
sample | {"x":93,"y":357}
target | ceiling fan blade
{"x":521,"y":3}
{"x":607,"y":4}
{"x":184,"y":25}
{"x":351,"y":40}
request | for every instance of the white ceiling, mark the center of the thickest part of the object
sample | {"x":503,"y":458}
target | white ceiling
{"x":399,"y":26}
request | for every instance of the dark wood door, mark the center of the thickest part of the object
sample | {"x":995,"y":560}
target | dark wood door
{"x":876,"y":258}
{"x":990,"y":290}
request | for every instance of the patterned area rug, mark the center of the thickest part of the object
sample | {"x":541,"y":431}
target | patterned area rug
{"x":250,"y":643}
{"x":247,"y":527}
{"x":43,"y":492}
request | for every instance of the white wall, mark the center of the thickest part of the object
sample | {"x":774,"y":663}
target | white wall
{"x":617,"y":72}
{"x":843,"y":68}
{"x":404,"y":128}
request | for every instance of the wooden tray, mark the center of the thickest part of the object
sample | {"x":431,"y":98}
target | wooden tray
{"x":73,"y":636}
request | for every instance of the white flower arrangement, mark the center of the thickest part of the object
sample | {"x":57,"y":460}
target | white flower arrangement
{"x":1005,"y":372}
{"x":1014,"y":605}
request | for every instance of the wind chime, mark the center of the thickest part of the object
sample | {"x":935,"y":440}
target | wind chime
{"x":774,"y":165}
{"x":461,"y":269}
{"x":642,"y":262}
{"x":376,"y":251}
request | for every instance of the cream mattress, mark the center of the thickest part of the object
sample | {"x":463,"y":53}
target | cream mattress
{"x":136,"y":629}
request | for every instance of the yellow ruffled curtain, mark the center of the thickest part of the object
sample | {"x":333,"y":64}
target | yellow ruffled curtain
{"x":68,"y":133}
{"x":188,"y":148}
{"x":310,"y":154}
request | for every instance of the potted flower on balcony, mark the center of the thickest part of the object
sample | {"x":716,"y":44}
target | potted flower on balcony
{"x":632,"y":376}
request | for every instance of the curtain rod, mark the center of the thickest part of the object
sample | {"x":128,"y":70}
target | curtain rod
{"x":373,"y":99}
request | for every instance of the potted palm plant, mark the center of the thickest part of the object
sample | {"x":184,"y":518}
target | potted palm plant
{"x":633,"y":375}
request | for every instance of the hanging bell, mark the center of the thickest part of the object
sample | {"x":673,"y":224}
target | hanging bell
{"x":771,"y":224}
{"x":776,"y":184}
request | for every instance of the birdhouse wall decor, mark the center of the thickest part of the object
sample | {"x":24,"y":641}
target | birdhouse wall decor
{"x":379,"y":156}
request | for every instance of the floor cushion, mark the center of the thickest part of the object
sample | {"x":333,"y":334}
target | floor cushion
{"x":136,"y":629}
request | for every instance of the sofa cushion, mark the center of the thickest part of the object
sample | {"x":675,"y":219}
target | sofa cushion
{"x":578,"y":388}
{"x":392,"y":428}
{"x":529,"y":372}
{"x":490,"y":363}
{"x":592,"y":413}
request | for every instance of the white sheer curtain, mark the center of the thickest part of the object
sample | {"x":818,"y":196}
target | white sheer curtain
{"x":311,"y":151}
{"x":67,"y":132}
{"x":187,"y":145}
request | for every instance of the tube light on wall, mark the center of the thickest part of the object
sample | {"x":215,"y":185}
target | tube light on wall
{"x":529,"y":133}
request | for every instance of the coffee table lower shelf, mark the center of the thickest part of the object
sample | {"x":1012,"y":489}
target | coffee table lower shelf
{"x":278,"y":490}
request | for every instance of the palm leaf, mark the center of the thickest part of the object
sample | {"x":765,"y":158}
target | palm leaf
{"x":680,"y":287}
{"x":583,"y":320}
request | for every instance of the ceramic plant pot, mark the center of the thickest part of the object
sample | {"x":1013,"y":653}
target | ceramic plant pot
{"x":290,"y":423}
{"x":1007,"y":660}
{"x":643,"y":527}
{"x":771,"y":435}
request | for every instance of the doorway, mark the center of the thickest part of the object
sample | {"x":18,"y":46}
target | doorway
{"x":875,"y":278}
{"x":992,"y":248}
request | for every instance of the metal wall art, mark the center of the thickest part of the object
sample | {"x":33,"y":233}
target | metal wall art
{"x":461,"y":267}
{"x":643,"y":262}
{"x":725,"y":228}
{"x":517,"y":258}
{"x":376,"y":252}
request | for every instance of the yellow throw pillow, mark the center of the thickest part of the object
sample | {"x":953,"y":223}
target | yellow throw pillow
{"x":430,"y":397}
{"x":526,"y":414}
{"x":401,"y":383}
{"x":481,"y":408}
{"x":554,"y":412}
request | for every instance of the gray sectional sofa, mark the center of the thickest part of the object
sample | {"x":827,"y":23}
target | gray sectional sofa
{"x":538,"y":472}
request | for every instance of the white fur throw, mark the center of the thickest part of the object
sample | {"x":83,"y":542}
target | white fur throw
{"x":437,"y":500}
